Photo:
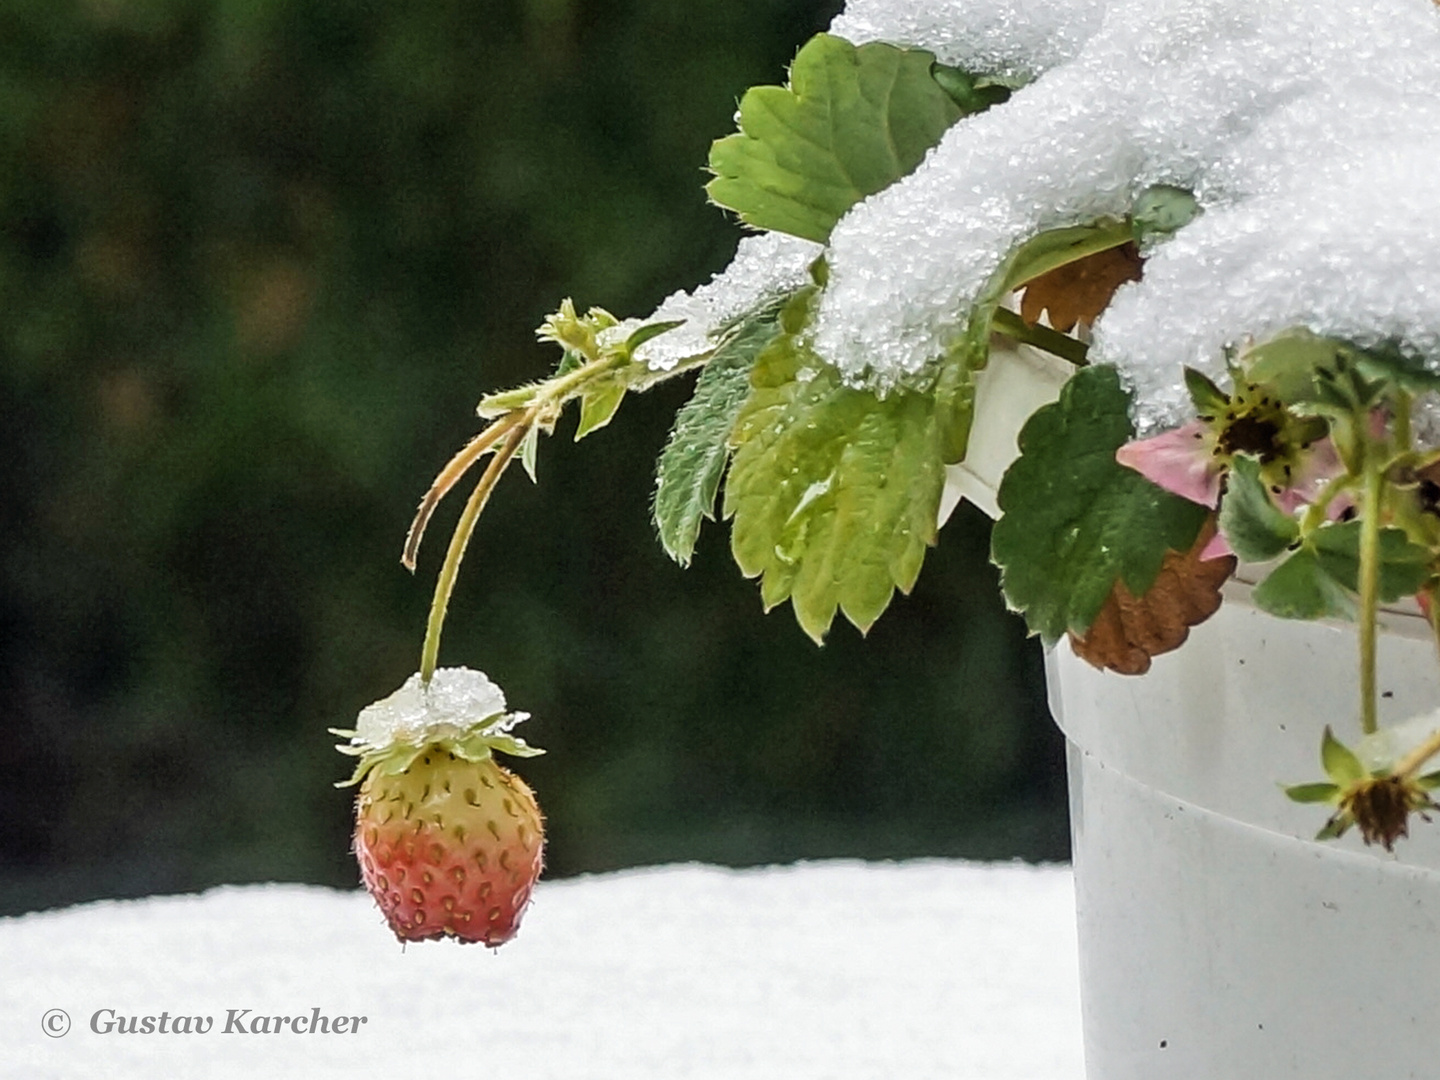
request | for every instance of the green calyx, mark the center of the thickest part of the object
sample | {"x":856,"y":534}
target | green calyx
{"x":474,"y":744}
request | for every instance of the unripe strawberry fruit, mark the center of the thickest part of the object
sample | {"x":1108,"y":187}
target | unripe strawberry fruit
{"x":449,"y":842}
{"x":449,"y":847}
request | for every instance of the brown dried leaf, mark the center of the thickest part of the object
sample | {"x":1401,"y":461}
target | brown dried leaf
{"x":1081,"y":290}
{"x":1130,"y":630}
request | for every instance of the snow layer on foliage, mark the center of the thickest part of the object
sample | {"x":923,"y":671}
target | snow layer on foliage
{"x":1309,"y":129}
{"x":455,"y":700}
{"x":765,"y":267}
{"x":1008,"y":37}
{"x":918,"y":970}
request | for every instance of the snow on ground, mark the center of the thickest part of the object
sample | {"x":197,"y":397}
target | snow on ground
{"x":839,"y":970}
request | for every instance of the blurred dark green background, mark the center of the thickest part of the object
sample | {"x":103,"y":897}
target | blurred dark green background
{"x":258,"y":259}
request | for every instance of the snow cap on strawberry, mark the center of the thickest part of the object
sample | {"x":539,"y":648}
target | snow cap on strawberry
{"x":449,"y":842}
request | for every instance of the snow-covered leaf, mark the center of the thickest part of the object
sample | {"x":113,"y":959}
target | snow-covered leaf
{"x":851,"y":122}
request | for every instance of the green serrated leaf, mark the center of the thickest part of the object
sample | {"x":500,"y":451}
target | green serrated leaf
{"x":1161,"y":211}
{"x":1404,"y":566}
{"x":1074,"y":520}
{"x":1299,"y":589}
{"x":598,"y":405}
{"x":1340,"y":762}
{"x":833,"y":492}
{"x":1256,"y":528}
{"x":851,"y":122}
{"x":1312,"y":793}
{"x":687,"y":476}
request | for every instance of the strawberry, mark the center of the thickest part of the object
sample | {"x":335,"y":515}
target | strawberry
{"x":449,"y":842}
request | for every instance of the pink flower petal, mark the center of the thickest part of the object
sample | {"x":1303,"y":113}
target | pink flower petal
{"x":1217,"y":548}
{"x":1178,"y":461}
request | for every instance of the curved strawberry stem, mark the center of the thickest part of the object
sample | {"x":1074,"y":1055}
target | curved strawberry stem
{"x":445,"y":582}
{"x":449,"y":476}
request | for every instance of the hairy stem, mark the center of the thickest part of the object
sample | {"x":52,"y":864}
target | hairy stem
{"x":1369,"y":587}
{"x":1403,"y":405}
{"x":445,"y":582}
{"x":454,"y":469}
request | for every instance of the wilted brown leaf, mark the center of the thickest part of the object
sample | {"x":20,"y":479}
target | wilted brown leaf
{"x":1079,"y":291}
{"x":1130,"y":630}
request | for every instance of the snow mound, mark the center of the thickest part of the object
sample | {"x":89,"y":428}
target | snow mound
{"x":1309,"y":130}
{"x":925,"y":969}
{"x":765,"y":267}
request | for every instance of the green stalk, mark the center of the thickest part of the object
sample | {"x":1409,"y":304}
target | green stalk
{"x":1042,"y":337}
{"x":450,"y":569}
{"x":1369,"y":587}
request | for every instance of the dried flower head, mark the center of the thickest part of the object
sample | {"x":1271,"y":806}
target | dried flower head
{"x":1379,"y":802}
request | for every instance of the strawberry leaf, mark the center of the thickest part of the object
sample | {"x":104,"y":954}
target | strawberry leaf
{"x":833,"y":492}
{"x":1404,"y":566}
{"x":598,"y":406}
{"x":1299,"y":588}
{"x":1075,"y":521}
{"x":851,"y":122}
{"x":687,"y":476}
{"x":1256,"y":528}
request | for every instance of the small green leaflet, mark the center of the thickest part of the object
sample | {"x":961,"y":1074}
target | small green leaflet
{"x":687,"y":476}
{"x":1341,"y":764}
{"x":1321,"y":579}
{"x":832,"y":492}
{"x":598,"y":405}
{"x":1161,"y":211}
{"x":1404,"y":566}
{"x":1256,"y":528}
{"x":973,"y":93}
{"x":851,"y":122}
{"x":1074,"y":520}
{"x":1299,"y":588}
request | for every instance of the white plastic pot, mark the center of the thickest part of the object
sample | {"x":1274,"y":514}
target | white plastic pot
{"x":1218,"y":940}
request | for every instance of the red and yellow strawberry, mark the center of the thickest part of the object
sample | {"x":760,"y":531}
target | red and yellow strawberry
{"x":449,"y":842}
